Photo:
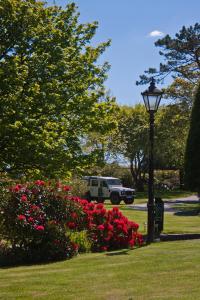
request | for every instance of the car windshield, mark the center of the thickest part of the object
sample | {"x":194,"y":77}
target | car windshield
{"x":113,"y":182}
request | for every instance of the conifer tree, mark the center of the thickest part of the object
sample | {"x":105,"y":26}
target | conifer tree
{"x":192,"y":154}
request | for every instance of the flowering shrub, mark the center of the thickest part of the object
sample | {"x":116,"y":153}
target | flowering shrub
{"x":39,"y":220}
{"x":109,"y":230}
{"x":34,"y":220}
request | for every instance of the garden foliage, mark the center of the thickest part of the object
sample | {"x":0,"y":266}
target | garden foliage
{"x":192,"y":154}
{"x":42,"y":221}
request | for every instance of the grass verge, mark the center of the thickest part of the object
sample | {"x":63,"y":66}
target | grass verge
{"x":173,"y":223}
{"x":168,"y":270}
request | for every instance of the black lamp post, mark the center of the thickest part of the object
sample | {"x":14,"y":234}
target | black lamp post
{"x":151,"y":97}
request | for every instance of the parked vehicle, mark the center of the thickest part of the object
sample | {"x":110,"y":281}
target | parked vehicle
{"x":102,"y":188}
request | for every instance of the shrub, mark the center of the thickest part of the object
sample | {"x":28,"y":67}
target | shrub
{"x":81,"y":240}
{"x":192,"y":153}
{"x":34,"y":220}
{"x":42,"y":221}
{"x":109,"y":229}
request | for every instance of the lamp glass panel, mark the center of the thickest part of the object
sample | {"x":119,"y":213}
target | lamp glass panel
{"x":152,"y":102}
{"x":158,"y":101}
{"x":146,"y":102}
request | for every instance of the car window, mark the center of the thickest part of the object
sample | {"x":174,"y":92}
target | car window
{"x":103,"y":184}
{"x":94,"y":182}
{"x":114,"y":182}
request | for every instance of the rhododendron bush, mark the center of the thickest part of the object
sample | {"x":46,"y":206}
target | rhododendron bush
{"x":38,"y":217}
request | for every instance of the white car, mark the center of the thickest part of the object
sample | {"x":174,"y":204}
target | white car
{"x":101,"y":188}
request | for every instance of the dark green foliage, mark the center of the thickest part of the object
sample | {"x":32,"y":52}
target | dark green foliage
{"x":192,"y":155}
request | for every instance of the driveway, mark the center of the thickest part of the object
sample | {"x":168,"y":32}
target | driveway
{"x":169,"y":205}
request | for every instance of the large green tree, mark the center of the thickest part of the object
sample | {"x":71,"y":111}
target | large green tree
{"x":51,"y":88}
{"x":130,"y":142}
{"x":171,"y":134}
{"x":192,"y":154}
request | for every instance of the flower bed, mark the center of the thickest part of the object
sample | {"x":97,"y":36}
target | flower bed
{"x":38,"y":217}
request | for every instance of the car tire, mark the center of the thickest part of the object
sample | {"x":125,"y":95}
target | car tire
{"x":129,"y":201}
{"x":115,"y":199}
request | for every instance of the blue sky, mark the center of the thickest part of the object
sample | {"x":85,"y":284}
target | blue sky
{"x":128,"y":24}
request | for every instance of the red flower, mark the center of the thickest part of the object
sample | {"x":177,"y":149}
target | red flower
{"x":99,"y":206}
{"x":35,"y":207}
{"x":71,"y":225}
{"x":39,"y":182}
{"x":104,"y":248}
{"x":17,"y":188}
{"x":66,"y":188}
{"x":30,"y":220}
{"x":74,"y":215}
{"x":39,"y":227}
{"x":21,"y":217}
{"x":101,"y":227}
{"x":75,"y":246}
{"x":109,"y":227}
{"x":131,"y":243}
{"x":23,"y":198}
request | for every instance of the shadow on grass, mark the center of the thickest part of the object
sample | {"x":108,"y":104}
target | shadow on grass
{"x":126,"y":251}
{"x":186,"y":212}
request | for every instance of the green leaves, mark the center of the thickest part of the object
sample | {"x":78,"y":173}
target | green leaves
{"x":51,"y":87}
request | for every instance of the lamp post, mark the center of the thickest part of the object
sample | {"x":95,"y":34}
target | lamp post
{"x":151,"y":97}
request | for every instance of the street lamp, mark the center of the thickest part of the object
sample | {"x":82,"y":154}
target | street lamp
{"x":151,"y":97}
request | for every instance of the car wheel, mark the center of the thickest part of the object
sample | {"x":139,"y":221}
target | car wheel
{"x":129,"y":201}
{"x":115,"y":199}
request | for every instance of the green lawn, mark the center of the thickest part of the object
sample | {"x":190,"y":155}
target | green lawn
{"x":187,"y":223}
{"x":167,"y":270}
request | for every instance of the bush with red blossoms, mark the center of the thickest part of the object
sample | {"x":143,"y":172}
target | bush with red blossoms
{"x":38,"y":217}
{"x":35,"y":217}
{"x":110,"y":229}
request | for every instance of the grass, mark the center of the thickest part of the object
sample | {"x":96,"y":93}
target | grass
{"x":168,"y":270}
{"x":180,"y":223}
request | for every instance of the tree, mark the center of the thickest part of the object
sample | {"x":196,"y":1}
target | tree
{"x":171,"y":134}
{"x":182,"y":60}
{"x":131,"y":141}
{"x":192,"y":154}
{"x":51,"y":88}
